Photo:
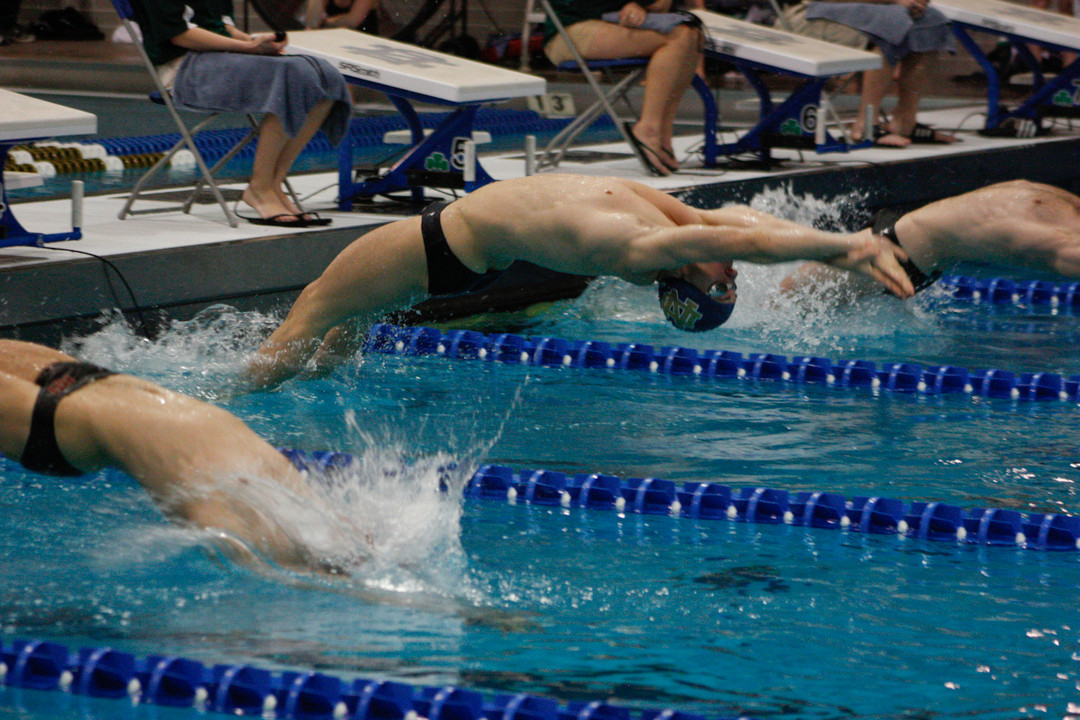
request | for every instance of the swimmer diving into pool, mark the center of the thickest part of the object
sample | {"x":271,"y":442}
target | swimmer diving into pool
{"x":1014,"y":224}
{"x":574,"y":224}
{"x":201,"y":465}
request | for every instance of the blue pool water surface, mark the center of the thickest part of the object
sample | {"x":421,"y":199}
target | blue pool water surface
{"x":713,"y":617}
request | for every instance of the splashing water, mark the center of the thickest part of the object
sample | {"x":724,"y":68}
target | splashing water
{"x":839,"y":214}
{"x":394,"y":521}
{"x":391,"y":520}
{"x":202,"y":356}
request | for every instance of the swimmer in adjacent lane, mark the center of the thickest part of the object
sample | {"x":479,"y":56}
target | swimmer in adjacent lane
{"x":1015,"y":224}
{"x":201,"y":465}
{"x":569,"y":223}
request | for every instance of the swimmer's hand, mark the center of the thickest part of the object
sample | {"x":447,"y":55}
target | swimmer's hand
{"x":877,"y":258}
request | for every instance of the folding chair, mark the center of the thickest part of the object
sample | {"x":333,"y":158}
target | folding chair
{"x":162,"y":96}
{"x":606,"y":99}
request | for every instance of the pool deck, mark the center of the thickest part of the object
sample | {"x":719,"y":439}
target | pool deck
{"x":177,"y":264}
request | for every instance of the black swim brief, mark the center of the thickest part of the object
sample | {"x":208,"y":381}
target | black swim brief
{"x":42,"y":453}
{"x":446,"y":274}
{"x":884,"y":224}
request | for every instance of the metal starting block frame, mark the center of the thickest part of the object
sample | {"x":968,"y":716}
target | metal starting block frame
{"x":443,"y":157}
{"x":757,"y":50}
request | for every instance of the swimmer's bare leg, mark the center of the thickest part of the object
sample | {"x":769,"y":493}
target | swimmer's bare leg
{"x":27,"y":360}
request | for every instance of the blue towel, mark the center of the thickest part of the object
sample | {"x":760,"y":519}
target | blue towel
{"x":660,"y":22}
{"x":891,"y":27}
{"x":288,"y":86}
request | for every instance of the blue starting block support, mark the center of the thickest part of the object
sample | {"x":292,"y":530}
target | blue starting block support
{"x":1021,"y":26}
{"x":797,"y":121}
{"x":407,"y":74}
{"x":22,"y":120}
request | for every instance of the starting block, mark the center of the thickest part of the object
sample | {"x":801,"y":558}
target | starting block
{"x":408,"y":73}
{"x":22,"y":120}
{"x":797,"y":121}
{"x":1021,"y":26}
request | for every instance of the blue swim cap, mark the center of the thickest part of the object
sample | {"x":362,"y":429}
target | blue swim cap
{"x":690,"y":308}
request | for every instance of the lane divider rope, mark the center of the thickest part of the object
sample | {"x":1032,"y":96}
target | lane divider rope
{"x":49,"y":158}
{"x":243,"y":690}
{"x":721,"y":364}
{"x":877,"y":515}
{"x":1004,"y":291}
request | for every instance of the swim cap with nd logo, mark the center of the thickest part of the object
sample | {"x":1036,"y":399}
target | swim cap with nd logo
{"x":689,"y":308}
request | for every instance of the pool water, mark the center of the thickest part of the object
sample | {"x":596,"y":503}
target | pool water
{"x":712,"y":617}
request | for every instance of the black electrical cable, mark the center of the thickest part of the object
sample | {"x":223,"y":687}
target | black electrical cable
{"x":109,"y":264}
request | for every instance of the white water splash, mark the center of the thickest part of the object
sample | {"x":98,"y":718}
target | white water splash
{"x":389,"y":522}
{"x":202,"y":356}
{"x":839,"y":214}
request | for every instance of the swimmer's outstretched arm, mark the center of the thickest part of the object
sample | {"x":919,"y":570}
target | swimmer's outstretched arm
{"x":741,"y":233}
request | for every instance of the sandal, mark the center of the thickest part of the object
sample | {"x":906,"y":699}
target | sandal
{"x":926,"y":135}
{"x":881,"y":132}
{"x":276,"y":220}
{"x":312,"y":219}
{"x":643,"y":151}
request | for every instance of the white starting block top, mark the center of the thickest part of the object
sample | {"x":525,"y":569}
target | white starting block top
{"x":27,"y":118}
{"x":996,"y":16}
{"x":391,"y":65}
{"x":782,"y":50}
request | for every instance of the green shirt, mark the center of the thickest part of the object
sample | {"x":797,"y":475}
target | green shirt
{"x":574,"y":11}
{"x":162,"y":20}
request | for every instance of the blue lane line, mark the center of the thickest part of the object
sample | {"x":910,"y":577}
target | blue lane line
{"x":713,"y":501}
{"x":722,"y":364}
{"x":1004,"y":291}
{"x":173,"y":681}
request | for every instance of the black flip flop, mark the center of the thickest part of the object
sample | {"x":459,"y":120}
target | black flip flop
{"x":276,"y":221}
{"x":640,"y":149}
{"x":926,"y":135}
{"x":312,"y":219}
{"x":671,"y":152}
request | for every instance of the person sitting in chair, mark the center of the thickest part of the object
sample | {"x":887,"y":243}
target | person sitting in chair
{"x":211,"y":65}
{"x":906,"y":33}
{"x":674,"y":57}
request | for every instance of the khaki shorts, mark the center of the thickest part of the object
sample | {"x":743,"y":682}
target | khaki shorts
{"x":827,"y":30}
{"x":581,"y":34}
{"x":167,"y":72}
